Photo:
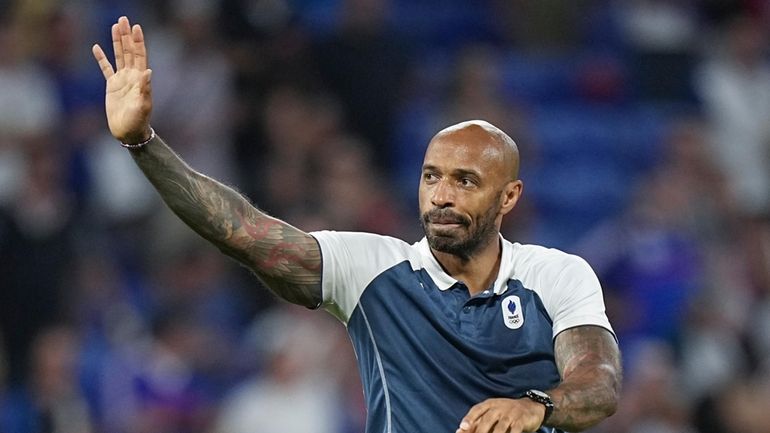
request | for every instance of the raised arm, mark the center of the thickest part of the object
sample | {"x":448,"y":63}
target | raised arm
{"x":287,"y":259}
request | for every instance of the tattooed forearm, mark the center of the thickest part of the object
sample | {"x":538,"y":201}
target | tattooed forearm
{"x":589,"y":363}
{"x":285,"y":258}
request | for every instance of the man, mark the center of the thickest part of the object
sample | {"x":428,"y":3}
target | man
{"x":461,"y":331}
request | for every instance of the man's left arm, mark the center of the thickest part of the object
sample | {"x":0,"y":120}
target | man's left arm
{"x":589,"y":363}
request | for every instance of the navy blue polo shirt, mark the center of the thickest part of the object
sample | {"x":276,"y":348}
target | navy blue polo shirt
{"x":427,"y":351}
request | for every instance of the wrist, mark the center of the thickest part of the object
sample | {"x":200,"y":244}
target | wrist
{"x":543,"y":400}
{"x":145,"y":138}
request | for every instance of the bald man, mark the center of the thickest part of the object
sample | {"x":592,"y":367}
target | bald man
{"x":462,"y":331}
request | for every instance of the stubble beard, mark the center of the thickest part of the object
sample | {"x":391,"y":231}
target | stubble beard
{"x":466,"y":246}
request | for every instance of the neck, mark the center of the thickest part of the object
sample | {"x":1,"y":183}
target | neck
{"x":478,"y":271}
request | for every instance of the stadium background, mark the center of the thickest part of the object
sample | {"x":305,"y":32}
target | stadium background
{"x":644,"y":128}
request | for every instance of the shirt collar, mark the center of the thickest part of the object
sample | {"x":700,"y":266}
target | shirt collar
{"x":444,"y":281}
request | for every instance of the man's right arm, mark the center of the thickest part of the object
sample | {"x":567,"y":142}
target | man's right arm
{"x":287,"y":259}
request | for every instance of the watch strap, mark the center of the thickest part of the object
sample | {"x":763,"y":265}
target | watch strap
{"x":542,"y":398}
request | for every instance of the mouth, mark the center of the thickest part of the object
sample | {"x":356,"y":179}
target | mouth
{"x":442,"y":224}
{"x":444,"y":220}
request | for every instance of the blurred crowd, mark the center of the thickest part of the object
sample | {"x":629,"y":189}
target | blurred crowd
{"x":644,"y":130}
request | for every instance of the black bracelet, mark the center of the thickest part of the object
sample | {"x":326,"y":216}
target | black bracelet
{"x":140,"y":144}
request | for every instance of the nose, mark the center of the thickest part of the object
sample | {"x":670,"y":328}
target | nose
{"x":443,"y":195}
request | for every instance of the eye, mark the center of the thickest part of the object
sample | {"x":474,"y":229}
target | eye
{"x":429,"y":177}
{"x":467,"y":182}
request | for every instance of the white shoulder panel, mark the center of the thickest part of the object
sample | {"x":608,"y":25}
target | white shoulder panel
{"x":568,"y":287}
{"x":351,"y":261}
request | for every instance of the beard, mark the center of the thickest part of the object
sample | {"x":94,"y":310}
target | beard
{"x":463,"y":246}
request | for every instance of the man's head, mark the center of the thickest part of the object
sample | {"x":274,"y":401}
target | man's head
{"x":469,"y":181}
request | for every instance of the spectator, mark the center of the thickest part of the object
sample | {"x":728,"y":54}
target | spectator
{"x":37,"y":235}
{"x":375,"y":66}
{"x":661,"y":36}
{"x":52,"y":400}
{"x":29,"y":108}
{"x":301,"y":369}
{"x":193,"y":82}
{"x":734,"y":84}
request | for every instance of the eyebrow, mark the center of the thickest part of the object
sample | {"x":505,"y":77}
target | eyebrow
{"x":458,"y":172}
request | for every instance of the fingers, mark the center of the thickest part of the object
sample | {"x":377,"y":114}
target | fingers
{"x":101,"y":59}
{"x":499,"y":415}
{"x":495,"y":422}
{"x":128,"y":45}
{"x":117,"y":47}
{"x":469,"y":420}
{"x":140,"y":51}
{"x":468,"y":423}
{"x":127,"y":41}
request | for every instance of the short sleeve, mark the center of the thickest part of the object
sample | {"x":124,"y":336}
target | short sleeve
{"x":350,"y":262}
{"x":576,"y":297}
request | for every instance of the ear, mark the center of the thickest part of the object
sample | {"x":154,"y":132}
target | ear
{"x":510,"y":195}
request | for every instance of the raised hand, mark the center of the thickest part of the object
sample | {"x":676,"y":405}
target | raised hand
{"x":128,"y":99}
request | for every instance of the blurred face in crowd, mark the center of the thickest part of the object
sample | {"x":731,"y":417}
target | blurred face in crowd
{"x":469,"y":181}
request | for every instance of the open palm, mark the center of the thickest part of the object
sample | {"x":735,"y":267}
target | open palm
{"x":128,"y":100}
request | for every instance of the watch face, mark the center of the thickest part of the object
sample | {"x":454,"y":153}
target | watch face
{"x":540,"y":397}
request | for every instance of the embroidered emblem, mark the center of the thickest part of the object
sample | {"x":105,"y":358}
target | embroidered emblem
{"x":513,"y":315}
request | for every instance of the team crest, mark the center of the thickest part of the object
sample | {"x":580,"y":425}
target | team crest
{"x":513,"y":315}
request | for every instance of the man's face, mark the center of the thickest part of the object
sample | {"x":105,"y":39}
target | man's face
{"x":461,"y":190}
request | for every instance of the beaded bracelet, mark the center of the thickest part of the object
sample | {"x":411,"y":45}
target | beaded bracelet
{"x":140,"y":144}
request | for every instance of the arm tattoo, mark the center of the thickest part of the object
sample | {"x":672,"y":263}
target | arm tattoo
{"x":287,"y":259}
{"x":589,"y":363}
